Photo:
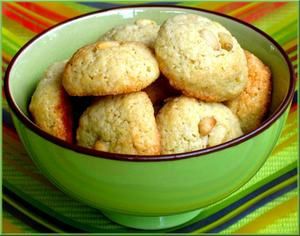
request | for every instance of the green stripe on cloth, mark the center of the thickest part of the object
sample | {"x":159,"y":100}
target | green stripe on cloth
{"x":18,"y":169}
{"x":279,"y":19}
{"x":245,"y":206}
{"x":283,"y":209}
{"x":82,"y":8}
{"x":288,"y":228}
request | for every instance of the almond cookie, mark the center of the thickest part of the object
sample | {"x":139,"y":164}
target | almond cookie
{"x":187,"y":124}
{"x":50,"y":105}
{"x":120,"y":124}
{"x":252,"y":105}
{"x":201,"y":58}
{"x":110,"y":68}
{"x":143,"y":30}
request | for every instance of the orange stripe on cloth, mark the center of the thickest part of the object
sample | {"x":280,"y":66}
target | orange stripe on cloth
{"x":269,"y":217}
{"x":295,"y":105}
{"x":9,"y":227}
{"x":208,"y":5}
{"x":38,"y":21}
{"x":291,"y":49}
{"x":62,"y":9}
{"x":6,"y":57}
{"x":262,"y":11}
{"x":41,"y":10}
{"x":30,"y":15}
{"x":248,"y":12}
{"x":244,"y":9}
{"x":231,"y":6}
{"x":290,"y":44}
{"x":11,"y":133}
{"x":21,"y":20}
{"x":293,"y":58}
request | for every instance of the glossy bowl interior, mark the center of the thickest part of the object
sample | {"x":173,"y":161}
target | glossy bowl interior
{"x":174,"y":184}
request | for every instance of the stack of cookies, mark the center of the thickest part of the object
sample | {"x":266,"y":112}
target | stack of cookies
{"x":182,"y":86}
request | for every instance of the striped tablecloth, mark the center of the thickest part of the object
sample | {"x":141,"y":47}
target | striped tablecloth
{"x":266,"y":204}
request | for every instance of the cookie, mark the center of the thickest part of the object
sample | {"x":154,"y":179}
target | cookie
{"x":50,"y":105}
{"x":120,"y":124}
{"x":160,"y":90}
{"x":252,"y":105}
{"x":110,"y":68}
{"x":201,"y":58}
{"x":142,"y":30}
{"x":187,"y":124}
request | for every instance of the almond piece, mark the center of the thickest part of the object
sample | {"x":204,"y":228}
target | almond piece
{"x":210,"y":38}
{"x":225,"y":41}
{"x":206,"y":125}
{"x":100,"y":146}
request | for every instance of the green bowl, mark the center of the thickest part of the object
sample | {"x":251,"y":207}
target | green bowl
{"x":139,"y":191}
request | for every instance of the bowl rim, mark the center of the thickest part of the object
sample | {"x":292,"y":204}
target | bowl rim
{"x":148,"y":158}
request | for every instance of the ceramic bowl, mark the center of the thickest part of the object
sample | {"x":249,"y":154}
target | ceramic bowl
{"x":139,"y":191}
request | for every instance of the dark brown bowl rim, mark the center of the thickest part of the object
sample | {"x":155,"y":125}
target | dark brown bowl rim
{"x":125,"y":157}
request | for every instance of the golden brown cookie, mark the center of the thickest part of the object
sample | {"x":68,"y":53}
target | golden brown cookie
{"x":110,"y":68}
{"x":187,"y":124}
{"x":252,"y":105}
{"x":50,"y":105}
{"x":201,"y":58}
{"x":120,"y":124}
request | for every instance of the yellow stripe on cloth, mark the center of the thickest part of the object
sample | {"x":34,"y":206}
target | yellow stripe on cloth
{"x":291,"y":140}
{"x":243,"y":8}
{"x":269,"y":217}
{"x":11,"y":36}
{"x":6,"y":56}
{"x":60,"y":8}
{"x":245,"y":206}
{"x":289,"y":134}
{"x":290,"y":128}
{"x":290,"y":124}
{"x":290,"y":44}
{"x":44,"y":20}
{"x":206,"y":5}
{"x":287,"y":225}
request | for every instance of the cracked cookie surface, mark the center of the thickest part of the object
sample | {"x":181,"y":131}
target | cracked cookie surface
{"x":120,"y":124}
{"x":201,"y":58}
{"x":50,"y":105}
{"x":187,"y":124}
{"x":252,"y":104}
{"x":110,"y":68}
